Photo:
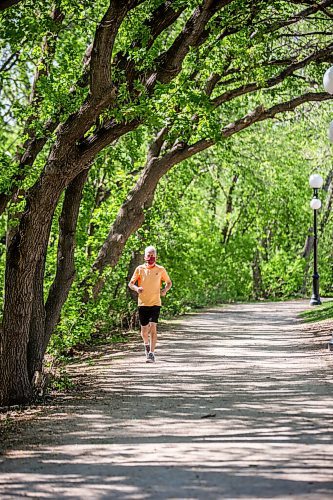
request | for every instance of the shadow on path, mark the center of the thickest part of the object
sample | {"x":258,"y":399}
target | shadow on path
{"x":234,"y":407}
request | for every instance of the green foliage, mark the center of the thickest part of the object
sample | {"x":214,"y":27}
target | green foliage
{"x":61,"y":381}
{"x":229,"y":224}
{"x":283,"y":275}
{"x":270,"y":215}
{"x":318,"y":313}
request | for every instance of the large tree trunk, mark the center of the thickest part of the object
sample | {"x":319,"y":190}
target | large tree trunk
{"x":35,"y":354}
{"x":45,"y":318}
{"x":15,"y":386}
{"x":24,"y":255}
{"x":65,"y":260}
{"x":28,"y":247}
{"x":256,"y":274}
{"x":24,"y":270}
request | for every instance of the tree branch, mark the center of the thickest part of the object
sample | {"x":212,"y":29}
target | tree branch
{"x":9,"y":63}
{"x":316,"y":7}
{"x":163,"y":17}
{"x":169,"y":64}
{"x":257,"y":115}
{"x":320,"y":55}
{"x":5,"y":4}
{"x":110,"y":132}
{"x":106,"y":32}
{"x":174,"y":57}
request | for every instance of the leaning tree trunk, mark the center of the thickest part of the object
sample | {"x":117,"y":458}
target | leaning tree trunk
{"x":257,"y":278}
{"x":25,"y":261}
{"x":28,"y":246}
{"x":65,"y":274}
{"x":21,"y":269}
{"x":45,"y":318}
{"x":37,"y":324}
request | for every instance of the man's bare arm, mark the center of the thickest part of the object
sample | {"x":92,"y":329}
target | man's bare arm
{"x":137,"y":289}
{"x":166,"y":288}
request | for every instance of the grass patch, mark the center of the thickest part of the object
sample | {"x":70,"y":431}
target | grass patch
{"x":318,"y":313}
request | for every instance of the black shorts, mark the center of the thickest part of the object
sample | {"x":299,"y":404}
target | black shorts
{"x":149,"y":313}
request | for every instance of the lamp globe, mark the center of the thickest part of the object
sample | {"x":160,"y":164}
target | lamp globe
{"x":316,"y":181}
{"x":328,"y":80}
{"x":315,"y":203}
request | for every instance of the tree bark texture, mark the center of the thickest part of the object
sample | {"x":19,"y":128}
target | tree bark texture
{"x":37,"y":323}
{"x":256,"y":273}
{"x":24,"y":271}
{"x":65,"y":274}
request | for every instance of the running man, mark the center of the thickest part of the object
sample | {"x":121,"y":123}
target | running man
{"x":149,"y":278}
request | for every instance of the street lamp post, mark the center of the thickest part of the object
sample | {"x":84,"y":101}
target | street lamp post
{"x":316,"y":182}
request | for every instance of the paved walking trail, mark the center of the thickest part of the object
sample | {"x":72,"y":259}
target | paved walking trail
{"x":238,"y":405}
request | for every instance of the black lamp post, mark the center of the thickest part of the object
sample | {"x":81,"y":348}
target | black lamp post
{"x":316,"y":182}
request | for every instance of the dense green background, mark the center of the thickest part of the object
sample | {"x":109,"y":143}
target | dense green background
{"x":252,"y":251}
{"x":270,"y":217}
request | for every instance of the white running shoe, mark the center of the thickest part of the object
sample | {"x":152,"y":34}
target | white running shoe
{"x":150,"y":358}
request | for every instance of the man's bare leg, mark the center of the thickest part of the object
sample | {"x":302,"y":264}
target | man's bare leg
{"x":153,"y":336}
{"x":145,"y":337}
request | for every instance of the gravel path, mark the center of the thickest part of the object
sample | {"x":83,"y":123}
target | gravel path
{"x":238,"y":405}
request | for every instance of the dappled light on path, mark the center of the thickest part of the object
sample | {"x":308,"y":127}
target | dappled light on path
{"x":236,"y":406}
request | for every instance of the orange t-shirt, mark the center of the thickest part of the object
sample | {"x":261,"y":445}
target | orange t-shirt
{"x":150,"y":278}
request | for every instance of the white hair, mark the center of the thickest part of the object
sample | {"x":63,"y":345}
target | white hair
{"x":150,"y":249}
